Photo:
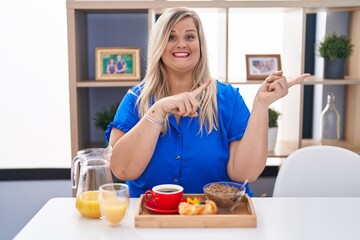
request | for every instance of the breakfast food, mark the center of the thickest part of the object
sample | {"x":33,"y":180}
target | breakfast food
{"x":225,"y":195}
{"x":197,"y":207}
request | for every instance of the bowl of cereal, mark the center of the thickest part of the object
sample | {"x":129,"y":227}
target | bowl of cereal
{"x":226,"y":195}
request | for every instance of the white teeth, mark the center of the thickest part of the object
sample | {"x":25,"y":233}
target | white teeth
{"x":181,"y":54}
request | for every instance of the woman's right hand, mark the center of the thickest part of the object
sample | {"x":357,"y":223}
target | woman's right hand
{"x":183,"y":104}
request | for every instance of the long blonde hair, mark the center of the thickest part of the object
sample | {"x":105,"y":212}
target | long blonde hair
{"x":155,"y":84}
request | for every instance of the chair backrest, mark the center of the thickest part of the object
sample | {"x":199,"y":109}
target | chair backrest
{"x":319,"y":171}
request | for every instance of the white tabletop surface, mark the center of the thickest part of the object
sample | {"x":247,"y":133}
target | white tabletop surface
{"x":277,"y":218}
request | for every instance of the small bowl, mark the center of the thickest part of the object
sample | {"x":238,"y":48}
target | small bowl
{"x":226,"y":195}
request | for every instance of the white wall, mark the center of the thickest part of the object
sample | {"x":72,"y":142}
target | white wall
{"x":34,"y":105}
{"x":34,"y":95}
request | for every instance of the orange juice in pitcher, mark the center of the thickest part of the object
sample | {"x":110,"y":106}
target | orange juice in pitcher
{"x":87,"y":203}
{"x":90,"y":170}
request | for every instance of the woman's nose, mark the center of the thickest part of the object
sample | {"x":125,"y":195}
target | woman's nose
{"x":181,"y":43}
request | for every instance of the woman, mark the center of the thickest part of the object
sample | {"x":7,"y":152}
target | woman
{"x":110,"y":68}
{"x":182,"y":126}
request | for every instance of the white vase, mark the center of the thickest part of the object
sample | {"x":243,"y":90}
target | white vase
{"x":272,"y":135}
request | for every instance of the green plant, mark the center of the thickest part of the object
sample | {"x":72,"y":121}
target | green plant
{"x":333,"y":47}
{"x":103,"y":117}
{"x":273,"y":117}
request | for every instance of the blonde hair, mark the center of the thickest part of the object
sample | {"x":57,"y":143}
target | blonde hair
{"x":155,"y":85}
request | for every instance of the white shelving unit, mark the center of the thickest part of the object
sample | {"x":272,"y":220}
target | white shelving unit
{"x":81,"y":66}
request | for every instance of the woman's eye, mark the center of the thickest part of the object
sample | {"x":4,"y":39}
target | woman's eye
{"x":189,"y":37}
{"x":171,"y":38}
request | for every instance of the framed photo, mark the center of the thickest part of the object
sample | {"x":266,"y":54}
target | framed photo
{"x":117,"y":63}
{"x":259,"y":66}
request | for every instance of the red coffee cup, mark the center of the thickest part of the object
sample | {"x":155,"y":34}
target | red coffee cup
{"x":165,"y":196}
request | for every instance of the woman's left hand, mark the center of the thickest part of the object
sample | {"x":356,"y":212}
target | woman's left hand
{"x":276,"y":86}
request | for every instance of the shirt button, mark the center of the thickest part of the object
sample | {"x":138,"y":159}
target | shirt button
{"x":175,"y":180}
{"x":179,"y":135}
{"x":177,"y":157}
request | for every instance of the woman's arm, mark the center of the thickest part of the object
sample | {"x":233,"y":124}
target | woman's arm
{"x":132,"y":151}
{"x":248,"y":155}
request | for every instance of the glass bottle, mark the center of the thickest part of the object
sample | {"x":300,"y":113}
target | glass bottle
{"x":330,"y":122}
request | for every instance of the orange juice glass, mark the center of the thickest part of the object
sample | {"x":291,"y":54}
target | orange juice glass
{"x":114,"y":202}
{"x":87,"y":203}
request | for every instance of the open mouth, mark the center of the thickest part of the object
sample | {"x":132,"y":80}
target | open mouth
{"x":181,"y":55}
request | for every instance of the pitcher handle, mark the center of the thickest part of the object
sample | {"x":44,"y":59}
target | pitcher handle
{"x":74,"y":171}
{"x":108,"y":152}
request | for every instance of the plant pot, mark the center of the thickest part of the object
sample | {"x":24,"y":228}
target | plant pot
{"x":334,"y":69}
{"x":272,"y":136}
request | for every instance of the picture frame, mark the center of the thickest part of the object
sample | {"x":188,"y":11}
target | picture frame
{"x":117,"y":63}
{"x":259,"y":66}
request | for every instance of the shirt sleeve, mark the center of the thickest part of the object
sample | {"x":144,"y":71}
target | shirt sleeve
{"x":233,"y":112}
{"x":240,"y":119}
{"x":126,"y":115}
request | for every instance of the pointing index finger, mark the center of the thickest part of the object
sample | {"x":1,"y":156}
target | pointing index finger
{"x":202,"y":87}
{"x":298,"y":79}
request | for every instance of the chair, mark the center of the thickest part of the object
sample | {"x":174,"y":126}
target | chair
{"x":319,"y":171}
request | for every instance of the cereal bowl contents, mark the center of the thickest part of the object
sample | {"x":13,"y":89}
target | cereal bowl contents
{"x":226,"y":195}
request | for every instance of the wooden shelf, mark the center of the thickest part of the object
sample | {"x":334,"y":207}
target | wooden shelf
{"x":313,"y":80}
{"x":246,"y":82}
{"x":313,"y":5}
{"x":318,"y":80}
{"x":341,"y":143}
{"x":89,"y":84}
{"x":283,"y":149}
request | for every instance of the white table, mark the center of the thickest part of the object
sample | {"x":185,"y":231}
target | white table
{"x":277,"y":218}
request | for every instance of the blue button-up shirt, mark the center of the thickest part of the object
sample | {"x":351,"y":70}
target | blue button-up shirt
{"x":183,"y":156}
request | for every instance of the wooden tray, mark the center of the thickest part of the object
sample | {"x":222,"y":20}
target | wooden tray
{"x":242,"y":217}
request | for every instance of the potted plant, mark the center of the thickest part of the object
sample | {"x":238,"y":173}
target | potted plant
{"x":335,"y":50}
{"x":103,"y":117}
{"x":273,"y":128}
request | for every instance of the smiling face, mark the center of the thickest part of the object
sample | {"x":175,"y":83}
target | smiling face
{"x":182,"y":51}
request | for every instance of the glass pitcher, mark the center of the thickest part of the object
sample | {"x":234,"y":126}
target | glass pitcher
{"x":90,"y":169}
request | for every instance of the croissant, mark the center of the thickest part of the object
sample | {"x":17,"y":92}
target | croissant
{"x":209,"y":207}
